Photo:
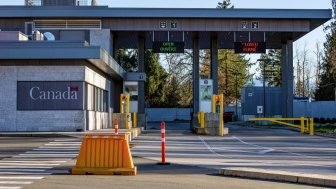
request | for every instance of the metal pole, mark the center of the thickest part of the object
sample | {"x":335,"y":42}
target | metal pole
{"x":236,"y":96}
{"x":226,"y":80}
{"x":264,"y":110}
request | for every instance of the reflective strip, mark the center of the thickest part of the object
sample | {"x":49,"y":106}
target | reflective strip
{"x":116,"y":126}
{"x":163,"y":140}
{"x":163,"y":131}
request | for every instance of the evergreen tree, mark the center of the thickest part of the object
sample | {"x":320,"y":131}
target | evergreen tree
{"x":232,"y":73}
{"x":224,"y":5}
{"x":127,"y":59}
{"x":173,"y":93}
{"x":326,"y":88}
{"x":156,"y":85}
{"x":272,"y":64}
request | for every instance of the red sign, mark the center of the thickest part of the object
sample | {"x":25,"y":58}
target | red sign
{"x":250,"y":47}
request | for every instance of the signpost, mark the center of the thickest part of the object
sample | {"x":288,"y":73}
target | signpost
{"x":168,"y":47}
{"x":250,"y":47}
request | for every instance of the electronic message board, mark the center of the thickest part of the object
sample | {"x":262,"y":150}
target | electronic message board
{"x":168,"y":47}
{"x":250,"y":47}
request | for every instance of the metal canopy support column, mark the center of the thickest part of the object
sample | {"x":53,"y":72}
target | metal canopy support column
{"x":287,"y":85}
{"x":196,"y":67}
{"x":284,"y":80}
{"x":214,"y":64}
{"x":141,"y":68}
{"x":290,"y":79}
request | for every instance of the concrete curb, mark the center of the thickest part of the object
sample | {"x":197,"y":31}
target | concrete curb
{"x":281,"y":176}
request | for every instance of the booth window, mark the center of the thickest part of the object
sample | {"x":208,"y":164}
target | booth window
{"x":97,"y":99}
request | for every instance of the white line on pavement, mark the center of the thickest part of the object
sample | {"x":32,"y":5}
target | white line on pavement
{"x":41,"y":159}
{"x":10,"y":187}
{"x":22,"y":178}
{"x":22,"y":169}
{"x":56,"y":149}
{"x":46,"y":152}
{"x":24,"y":166}
{"x":254,"y":145}
{"x":47,"y":155}
{"x":208,"y":147}
{"x":62,"y":144}
{"x":21,"y":173}
{"x":65,"y":143}
{"x":26,"y":163}
{"x":15,"y":182}
{"x":66,"y":140}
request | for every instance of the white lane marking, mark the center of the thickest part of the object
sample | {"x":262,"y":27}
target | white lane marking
{"x":47,"y":155}
{"x":24,"y":166}
{"x":40,"y":160}
{"x":29,"y":159}
{"x":292,"y":153}
{"x":170,"y":142}
{"x":15,"y":182}
{"x":266,"y":151}
{"x":62,"y":144}
{"x":233,"y":150}
{"x":10,"y":187}
{"x":22,"y":169}
{"x":169,"y":154}
{"x":32,"y":163}
{"x":46,"y":152}
{"x":208,"y":147}
{"x":254,"y":145}
{"x":65,"y":143}
{"x":21,"y":173}
{"x":56,"y":149}
{"x":211,"y":149}
{"x":22,"y":178}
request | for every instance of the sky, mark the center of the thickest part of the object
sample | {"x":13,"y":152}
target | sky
{"x":310,"y":39}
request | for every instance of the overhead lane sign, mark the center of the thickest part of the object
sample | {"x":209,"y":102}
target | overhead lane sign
{"x":250,"y":47}
{"x":168,"y":47}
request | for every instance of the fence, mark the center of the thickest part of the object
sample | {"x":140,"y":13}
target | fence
{"x":320,"y":109}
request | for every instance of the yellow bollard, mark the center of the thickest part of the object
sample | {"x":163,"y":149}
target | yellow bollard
{"x":221,"y":120}
{"x":302,"y":126}
{"x":135,"y":121}
{"x":199,"y":117}
{"x":202,"y":119}
{"x":311,"y":127}
{"x":127,"y":116}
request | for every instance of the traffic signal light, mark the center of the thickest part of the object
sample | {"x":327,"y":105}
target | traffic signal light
{"x":217,"y":99}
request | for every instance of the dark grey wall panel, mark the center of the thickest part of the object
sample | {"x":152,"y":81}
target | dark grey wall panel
{"x":51,"y":95}
{"x":72,"y":35}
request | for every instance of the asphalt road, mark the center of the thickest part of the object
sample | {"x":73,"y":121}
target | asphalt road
{"x":259,"y":148}
{"x":44,"y":162}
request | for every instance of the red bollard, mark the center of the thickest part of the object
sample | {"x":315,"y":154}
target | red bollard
{"x":163,"y":144}
{"x":116,"y":127}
